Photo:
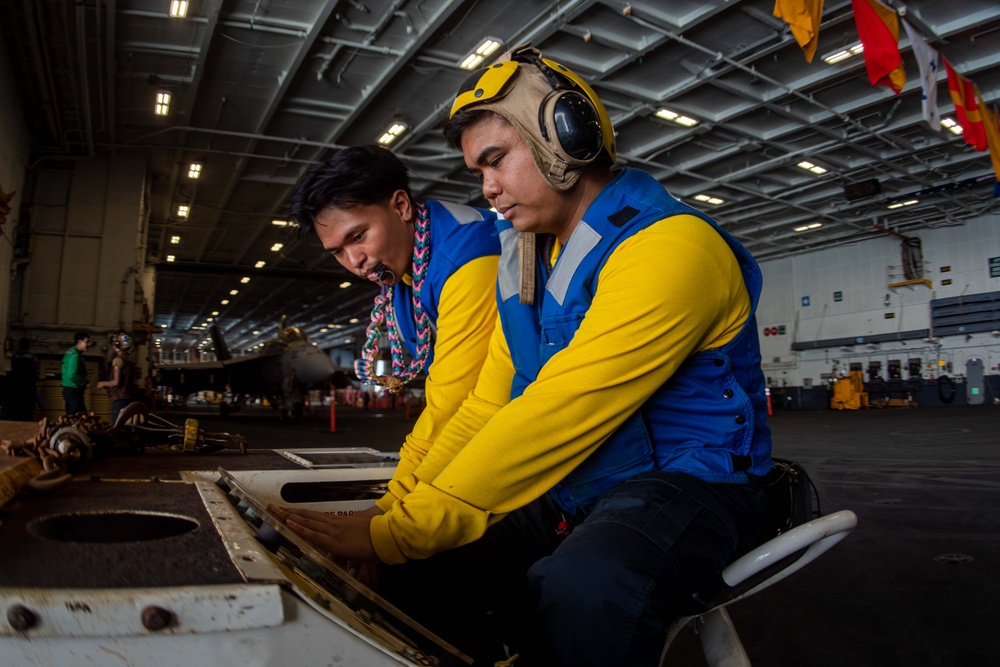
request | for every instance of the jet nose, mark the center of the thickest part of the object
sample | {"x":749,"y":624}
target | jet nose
{"x":312,"y":365}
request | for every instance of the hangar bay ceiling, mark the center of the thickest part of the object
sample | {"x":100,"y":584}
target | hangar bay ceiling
{"x":260,"y":89}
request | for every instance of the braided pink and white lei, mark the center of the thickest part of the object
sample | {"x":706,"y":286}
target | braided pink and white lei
{"x":384,"y":319}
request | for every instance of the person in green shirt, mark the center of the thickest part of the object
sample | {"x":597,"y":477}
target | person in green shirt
{"x":74,"y":374}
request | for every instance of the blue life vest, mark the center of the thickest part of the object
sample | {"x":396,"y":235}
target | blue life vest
{"x":459,"y":234}
{"x":707,"y":420}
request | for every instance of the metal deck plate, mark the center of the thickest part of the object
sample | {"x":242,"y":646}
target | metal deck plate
{"x":113,"y":535}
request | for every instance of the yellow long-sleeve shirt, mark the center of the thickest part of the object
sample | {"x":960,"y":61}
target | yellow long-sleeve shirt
{"x":467,"y":310}
{"x":669,"y":291}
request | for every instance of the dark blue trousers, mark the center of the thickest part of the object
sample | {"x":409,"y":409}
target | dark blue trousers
{"x":608,"y":593}
{"x":74,"y":399}
{"x":599,"y":588}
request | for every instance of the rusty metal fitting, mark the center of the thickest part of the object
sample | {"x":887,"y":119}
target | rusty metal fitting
{"x":156,"y":618}
{"x":21,"y":618}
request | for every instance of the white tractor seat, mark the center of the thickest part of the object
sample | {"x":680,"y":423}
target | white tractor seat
{"x":754,"y":571}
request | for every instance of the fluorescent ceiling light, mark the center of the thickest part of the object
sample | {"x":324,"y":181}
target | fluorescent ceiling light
{"x":277,"y":246}
{"x":345,"y":284}
{"x":233,"y":292}
{"x":225,"y":302}
{"x":708,"y":199}
{"x":843,"y":54}
{"x":162,"y":106}
{"x":674,"y":117}
{"x":194,"y":170}
{"x":393,"y":132}
{"x":482,"y":51}
{"x":171,"y":258}
{"x":806,"y":228}
{"x":279,"y":223}
{"x":809,"y":166}
{"x":245,"y":279}
{"x":215,"y":313}
{"x":175,"y":240}
{"x":353,"y":320}
{"x":260,"y":264}
{"x":183,"y":211}
{"x":952,"y":125}
{"x":178,"y":9}
{"x":909,"y":202}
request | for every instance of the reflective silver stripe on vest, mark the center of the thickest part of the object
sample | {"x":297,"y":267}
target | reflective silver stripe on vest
{"x":507,"y":272}
{"x":580,"y":243}
{"x":464,"y":214}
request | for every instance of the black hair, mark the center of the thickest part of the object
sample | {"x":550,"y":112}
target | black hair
{"x":354,"y":176}
{"x":462,"y":119}
{"x":80,"y":335}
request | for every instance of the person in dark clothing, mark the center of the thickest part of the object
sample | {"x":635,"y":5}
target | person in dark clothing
{"x":119,"y":384}
{"x":22,"y":388}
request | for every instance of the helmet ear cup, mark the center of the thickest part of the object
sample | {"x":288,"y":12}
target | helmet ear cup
{"x":569,"y":121}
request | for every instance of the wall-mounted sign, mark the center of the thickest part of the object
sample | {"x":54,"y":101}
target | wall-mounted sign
{"x":781,"y":329}
{"x":889,"y":316}
{"x":945,"y":269}
{"x":838,"y":296}
{"x":946,"y":281}
{"x":805,"y":299}
{"x":994,"y":267}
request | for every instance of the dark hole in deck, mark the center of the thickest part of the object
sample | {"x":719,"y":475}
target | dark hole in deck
{"x":111,"y":526}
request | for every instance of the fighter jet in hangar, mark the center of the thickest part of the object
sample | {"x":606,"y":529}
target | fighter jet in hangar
{"x":284,"y":368}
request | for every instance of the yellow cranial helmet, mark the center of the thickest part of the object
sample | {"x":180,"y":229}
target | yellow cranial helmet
{"x":558,"y":115}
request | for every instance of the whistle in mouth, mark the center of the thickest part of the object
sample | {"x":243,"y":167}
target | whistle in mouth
{"x":384,"y":275}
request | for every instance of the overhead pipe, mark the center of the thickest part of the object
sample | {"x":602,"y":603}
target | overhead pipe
{"x":84,"y":88}
{"x":847,"y":238}
{"x":109,"y":69}
{"x":381,"y":50}
{"x":43,"y":67}
{"x":131,"y":143}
